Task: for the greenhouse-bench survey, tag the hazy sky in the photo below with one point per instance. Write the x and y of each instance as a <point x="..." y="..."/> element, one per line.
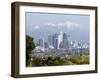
<point x="41" y="24"/>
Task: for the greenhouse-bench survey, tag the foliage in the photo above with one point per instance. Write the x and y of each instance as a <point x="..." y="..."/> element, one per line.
<point x="80" y="59"/>
<point x="56" y="60"/>
<point x="29" y="47"/>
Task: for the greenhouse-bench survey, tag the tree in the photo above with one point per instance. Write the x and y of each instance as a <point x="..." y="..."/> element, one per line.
<point x="29" y="47"/>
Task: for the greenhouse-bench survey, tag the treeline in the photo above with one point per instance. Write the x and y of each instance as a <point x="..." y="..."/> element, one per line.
<point x="56" y="61"/>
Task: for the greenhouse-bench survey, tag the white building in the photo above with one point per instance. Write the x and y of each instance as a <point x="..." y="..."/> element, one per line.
<point x="60" y="39"/>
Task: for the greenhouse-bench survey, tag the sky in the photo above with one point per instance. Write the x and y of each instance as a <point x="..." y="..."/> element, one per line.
<point x="39" y="25"/>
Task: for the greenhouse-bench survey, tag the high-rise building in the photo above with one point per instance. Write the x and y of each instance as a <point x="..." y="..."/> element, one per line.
<point x="49" y="40"/>
<point x="46" y="45"/>
<point x="60" y="39"/>
<point x="41" y="42"/>
<point x="56" y="46"/>
<point x="57" y="40"/>
<point x="54" y="41"/>
<point x="65" y="41"/>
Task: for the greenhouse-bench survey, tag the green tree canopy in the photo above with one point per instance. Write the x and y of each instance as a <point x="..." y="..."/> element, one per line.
<point x="29" y="47"/>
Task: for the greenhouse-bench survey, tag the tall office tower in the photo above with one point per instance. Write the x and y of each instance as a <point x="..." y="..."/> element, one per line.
<point x="49" y="40"/>
<point x="65" y="41"/>
<point x="41" y="42"/>
<point x="60" y="39"/>
<point x="56" y="46"/>
<point x="54" y="42"/>
<point x="46" y="45"/>
<point x="37" y="42"/>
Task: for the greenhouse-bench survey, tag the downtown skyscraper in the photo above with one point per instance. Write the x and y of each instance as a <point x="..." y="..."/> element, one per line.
<point x="58" y="40"/>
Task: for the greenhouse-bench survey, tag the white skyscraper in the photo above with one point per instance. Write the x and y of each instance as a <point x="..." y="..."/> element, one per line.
<point x="60" y="39"/>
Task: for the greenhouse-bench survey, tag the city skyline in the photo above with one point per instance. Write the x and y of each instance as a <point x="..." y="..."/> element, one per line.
<point x="59" y="44"/>
<point x="42" y="24"/>
<point x="58" y="40"/>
